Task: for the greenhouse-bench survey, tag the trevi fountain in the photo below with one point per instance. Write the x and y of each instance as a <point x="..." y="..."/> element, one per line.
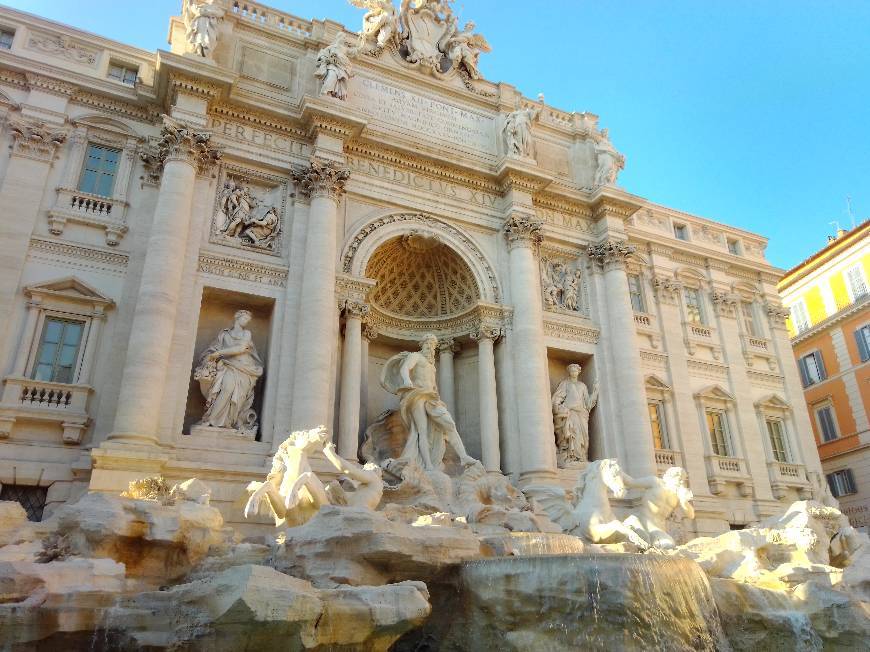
<point x="386" y="532"/>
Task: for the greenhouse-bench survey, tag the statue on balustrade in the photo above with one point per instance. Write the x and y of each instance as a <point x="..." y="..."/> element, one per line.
<point x="334" y="68"/>
<point x="227" y="372"/>
<point x="572" y="404"/>
<point x="463" y="48"/>
<point x="517" y="132"/>
<point x="411" y="376"/>
<point x="380" y="23"/>
<point x="200" y="23"/>
<point x="662" y="497"/>
<point x="608" y="161"/>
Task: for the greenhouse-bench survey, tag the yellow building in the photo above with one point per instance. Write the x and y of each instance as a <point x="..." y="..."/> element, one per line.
<point x="828" y="296"/>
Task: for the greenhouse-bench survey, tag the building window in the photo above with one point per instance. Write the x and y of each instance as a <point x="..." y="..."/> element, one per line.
<point x="123" y="73"/>
<point x="747" y="313"/>
<point x="6" y="37"/>
<point x="58" y="353"/>
<point x="776" y="432"/>
<point x="681" y="232"/>
<point x="800" y="318"/>
<point x="842" y="483"/>
<point x="635" y="291"/>
<point x="717" y="426"/>
<point x="694" y="307"/>
<point x="862" y="337"/>
<point x="734" y="247"/>
<point x="32" y="499"/>
<point x="827" y="423"/>
<point x="659" y="425"/>
<point x="856" y="283"/>
<point x="101" y="166"/>
<point x="812" y="368"/>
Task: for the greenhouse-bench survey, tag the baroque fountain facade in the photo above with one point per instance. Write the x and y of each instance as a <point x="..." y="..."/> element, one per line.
<point x="319" y="340"/>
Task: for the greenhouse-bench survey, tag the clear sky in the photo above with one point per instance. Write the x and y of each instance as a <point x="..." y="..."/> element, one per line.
<point x="755" y="113"/>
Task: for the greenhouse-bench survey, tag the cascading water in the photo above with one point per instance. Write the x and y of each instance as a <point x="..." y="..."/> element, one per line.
<point x="549" y="603"/>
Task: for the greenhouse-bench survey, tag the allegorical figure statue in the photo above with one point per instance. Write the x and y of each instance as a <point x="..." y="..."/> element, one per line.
<point x="608" y="161"/>
<point x="380" y="23"/>
<point x="334" y="68"/>
<point x="661" y="498"/>
<point x="464" y="48"/>
<point x="227" y="372"/>
<point x="572" y="404"/>
<point x="518" y="132"/>
<point x="200" y="23"/>
<point x="411" y="376"/>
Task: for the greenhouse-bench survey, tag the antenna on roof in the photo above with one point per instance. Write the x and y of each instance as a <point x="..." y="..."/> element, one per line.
<point x="849" y="209"/>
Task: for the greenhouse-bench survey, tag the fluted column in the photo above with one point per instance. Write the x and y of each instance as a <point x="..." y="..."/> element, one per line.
<point x="610" y="258"/>
<point x="323" y="182"/>
<point x="447" y="348"/>
<point x="369" y="334"/>
<point x="181" y="152"/>
<point x="534" y="415"/>
<point x="486" y="337"/>
<point x="351" y="370"/>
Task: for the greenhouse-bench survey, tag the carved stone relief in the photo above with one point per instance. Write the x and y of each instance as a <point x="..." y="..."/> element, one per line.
<point x="563" y="285"/>
<point x="249" y="211"/>
<point x="62" y="46"/>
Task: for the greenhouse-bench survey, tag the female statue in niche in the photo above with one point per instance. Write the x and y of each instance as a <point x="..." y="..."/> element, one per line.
<point x="572" y="404"/>
<point x="227" y="372"/>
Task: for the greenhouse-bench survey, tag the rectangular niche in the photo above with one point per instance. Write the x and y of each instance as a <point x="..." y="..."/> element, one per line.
<point x="249" y="210"/>
<point x="217" y="312"/>
<point x="557" y="363"/>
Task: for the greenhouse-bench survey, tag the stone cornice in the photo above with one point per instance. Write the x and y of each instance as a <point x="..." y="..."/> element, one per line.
<point x="352" y="288"/>
<point x="606" y="205"/>
<point x="321" y="179"/>
<point x="259" y="118"/>
<point x="552" y="201"/>
<point x="180" y="83"/>
<point x="50" y="85"/>
<point x="325" y="115"/>
<point x="518" y="175"/>
<point x="148" y="114"/>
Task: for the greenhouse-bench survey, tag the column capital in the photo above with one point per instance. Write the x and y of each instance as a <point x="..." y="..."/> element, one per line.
<point x="321" y="178"/>
<point x="777" y="315"/>
<point x="351" y="308"/>
<point x="724" y="303"/>
<point x="489" y="332"/>
<point x="666" y="290"/>
<point x="369" y="332"/>
<point x="611" y="254"/>
<point x="523" y="230"/>
<point x="448" y="345"/>
<point x="179" y="142"/>
<point x="34" y="139"/>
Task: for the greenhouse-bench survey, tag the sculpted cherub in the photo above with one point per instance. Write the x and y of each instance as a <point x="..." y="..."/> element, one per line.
<point x="464" y="48"/>
<point x="380" y="23"/>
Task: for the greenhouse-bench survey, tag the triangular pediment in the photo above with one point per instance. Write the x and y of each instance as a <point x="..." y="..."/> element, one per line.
<point x="772" y="402"/>
<point x="654" y="382"/>
<point x="716" y="393"/>
<point x="69" y="287"/>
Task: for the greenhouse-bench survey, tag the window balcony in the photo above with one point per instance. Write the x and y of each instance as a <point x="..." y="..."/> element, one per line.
<point x="728" y="470"/>
<point x="665" y="459"/>
<point x="785" y="475"/>
<point x="89" y="209"/>
<point x="34" y="400"/>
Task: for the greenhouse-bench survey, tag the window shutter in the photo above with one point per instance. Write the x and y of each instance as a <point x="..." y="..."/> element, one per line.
<point x="805" y="377"/>
<point x="850" y="481"/>
<point x="821" y="364"/>
<point x="862" y="337"/>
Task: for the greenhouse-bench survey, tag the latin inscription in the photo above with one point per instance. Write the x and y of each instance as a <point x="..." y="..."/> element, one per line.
<point x="258" y="137"/>
<point x="422" y="116"/>
<point x="573" y="222"/>
<point x="422" y="183"/>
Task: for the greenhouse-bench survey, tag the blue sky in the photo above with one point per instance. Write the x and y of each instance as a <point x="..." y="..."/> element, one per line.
<point x="755" y="113"/>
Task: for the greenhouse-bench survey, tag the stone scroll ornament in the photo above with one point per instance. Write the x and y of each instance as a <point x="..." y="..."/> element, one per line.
<point x="227" y="372"/>
<point x="243" y="217"/>
<point x="425" y="33"/>
<point x="200" y="24"/>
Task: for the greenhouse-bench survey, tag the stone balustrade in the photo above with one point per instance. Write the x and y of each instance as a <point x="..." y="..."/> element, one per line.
<point x="268" y="17"/>
<point x="723" y="470"/>
<point x="701" y="331"/>
<point x="91" y="210"/>
<point x="666" y="458"/>
<point x="642" y="320"/>
<point x="785" y="475"/>
<point x="36" y="400"/>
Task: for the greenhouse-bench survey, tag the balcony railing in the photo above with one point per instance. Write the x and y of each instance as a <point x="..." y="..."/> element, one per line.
<point x="268" y="17"/>
<point x="701" y="331"/>
<point x="665" y="459"/>
<point x="785" y="475"/>
<point x="722" y="470"/>
<point x="89" y="209"/>
<point x="35" y="400"/>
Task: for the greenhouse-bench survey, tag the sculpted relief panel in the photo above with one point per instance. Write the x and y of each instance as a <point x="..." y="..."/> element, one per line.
<point x="563" y="286"/>
<point x="249" y="212"/>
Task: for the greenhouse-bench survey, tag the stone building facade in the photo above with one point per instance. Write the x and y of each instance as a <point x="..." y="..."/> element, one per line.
<point x="407" y="196"/>
<point x="829" y="299"/>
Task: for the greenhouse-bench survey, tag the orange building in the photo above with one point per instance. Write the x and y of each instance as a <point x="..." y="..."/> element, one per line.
<point x="828" y="296"/>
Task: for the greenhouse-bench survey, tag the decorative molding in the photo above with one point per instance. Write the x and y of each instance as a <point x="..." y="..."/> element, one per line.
<point x="243" y="270"/>
<point x="766" y="379"/>
<point x="453" y="326"/>
<point x="321" y="179"/>
<point x="352" y="289"/>
<point x="146" y="114"/>
<point x="523" y="230"/>
<point x="50" y="85"/>
<point x="179" y="83"/>
<point x="35" y="140"/>
<point x="612" y="254"/>
<point x="62" y="46"/>
<point x="565" y="330"/>
<point x="654" y="360"/>
<point x="487" y="332"/>
<point x="55" y="248"/>
<point x="707" y="369"/>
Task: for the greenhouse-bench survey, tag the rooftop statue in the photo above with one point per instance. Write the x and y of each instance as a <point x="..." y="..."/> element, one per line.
<point x="464" y="48"/>
<point x="200" y="21"/>
<point x="381" y="22"/>
<point x="334" y="68"/>
<point x="517" y="132"/>
<point x="411" y="377"/>
<point x="608" y="161"/>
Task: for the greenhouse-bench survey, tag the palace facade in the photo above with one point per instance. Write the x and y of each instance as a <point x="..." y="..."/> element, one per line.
<point x="150" y="196"/>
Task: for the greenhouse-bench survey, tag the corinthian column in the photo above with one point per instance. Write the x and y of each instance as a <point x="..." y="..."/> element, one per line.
<point x="351" y="376"/>
<point x="535" y="417"/>
<point x="486" y="337"/>
<point x="322" y="182"/>
<point x="181" y="152"/>
<point x="447" y="348"/>
<point x="610" y="258"/>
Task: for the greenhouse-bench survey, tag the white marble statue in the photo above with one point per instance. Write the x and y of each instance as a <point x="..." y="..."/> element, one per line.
<point x="572" y="404"/>
<point x="240" y="215"/>
<point x="588" y="513"/>
<point x="334" y="68"/>
<point x="381" y="22"/>
<point x="661" y="498"/>
<point x="200" y="22"/>
<point x="227" y="372"/>
<point x="608" y="161"/>
<point x="292" y="492"/>
<point x="411" y="376"/>
<point x="463" y="48"/>
<point x="561" y="286"/>
<point x="517" y="132"/>
<point x="424" y="23"/>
